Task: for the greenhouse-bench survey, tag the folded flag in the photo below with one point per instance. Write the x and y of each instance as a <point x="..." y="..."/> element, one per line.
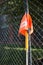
<point x="26" y="23"/>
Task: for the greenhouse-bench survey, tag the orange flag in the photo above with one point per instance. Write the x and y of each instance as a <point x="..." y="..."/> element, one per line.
<point x="25" y="24"/>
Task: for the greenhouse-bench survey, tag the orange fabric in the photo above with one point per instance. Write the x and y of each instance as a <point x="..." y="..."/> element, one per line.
<point x="25" y="24"/>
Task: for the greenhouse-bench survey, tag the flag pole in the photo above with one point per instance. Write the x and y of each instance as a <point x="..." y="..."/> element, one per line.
<point x="26" y="34"/>
<point x="28" y="40"/>
<point x="26" y="46"/>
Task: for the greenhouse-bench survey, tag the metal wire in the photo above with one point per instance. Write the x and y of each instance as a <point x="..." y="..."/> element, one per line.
<point x="12" y="48"/>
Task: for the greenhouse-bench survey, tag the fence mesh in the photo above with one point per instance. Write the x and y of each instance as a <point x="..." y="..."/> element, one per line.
<point x="11" y="46"/>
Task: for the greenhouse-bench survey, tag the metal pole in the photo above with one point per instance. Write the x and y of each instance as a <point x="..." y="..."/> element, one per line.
<point x="30" y="53"/>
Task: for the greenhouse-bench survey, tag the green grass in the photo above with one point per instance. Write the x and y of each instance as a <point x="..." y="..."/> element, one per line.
<point x="8" y="54"/>
<point x="33" y="49"/>
<point x="36" y="52"/>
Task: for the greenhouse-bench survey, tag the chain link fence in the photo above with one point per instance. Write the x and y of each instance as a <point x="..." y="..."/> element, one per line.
<point x="11" y="46"/>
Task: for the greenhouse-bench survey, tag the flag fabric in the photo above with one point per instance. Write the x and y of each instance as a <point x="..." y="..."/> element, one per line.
<point x="26" y="23"/>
